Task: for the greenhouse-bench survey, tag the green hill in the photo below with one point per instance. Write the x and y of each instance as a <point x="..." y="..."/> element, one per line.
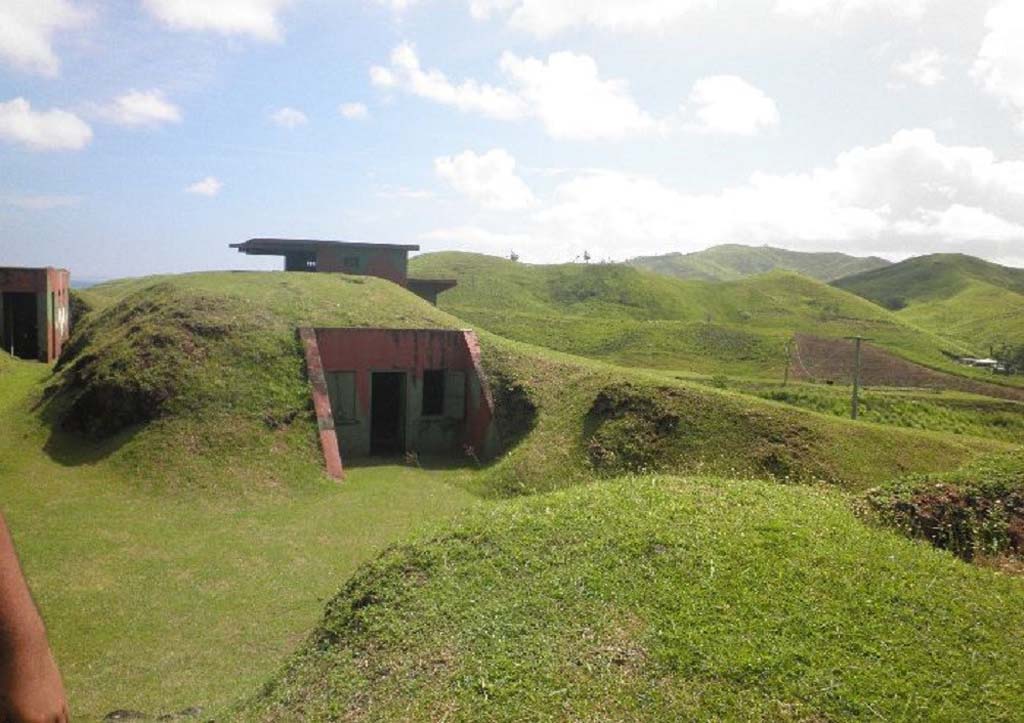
<point x="730" y="262"/>
<point x="962" y="298"/>
<point x="639" y="318"/>
<point x="188" y="379"/>
<point x="180" y="375"/>
<point x="661" y="599"/>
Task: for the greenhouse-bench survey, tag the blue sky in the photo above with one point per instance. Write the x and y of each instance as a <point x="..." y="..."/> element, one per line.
<point x="144" y="136"/>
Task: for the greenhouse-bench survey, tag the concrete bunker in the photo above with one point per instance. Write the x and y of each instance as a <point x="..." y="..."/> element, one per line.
<point x="385" y="261"/>
<point x="389" y="392"/>
<point x="34" y="314"/>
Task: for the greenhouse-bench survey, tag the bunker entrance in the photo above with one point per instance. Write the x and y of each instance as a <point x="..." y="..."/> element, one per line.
<point x="21" y="325"/>
<point x="387" y="413"/>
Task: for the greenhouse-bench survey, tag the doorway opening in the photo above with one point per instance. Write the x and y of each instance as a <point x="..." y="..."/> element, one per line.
<point x="387" y="413"/>
<point x="21" y="325"/>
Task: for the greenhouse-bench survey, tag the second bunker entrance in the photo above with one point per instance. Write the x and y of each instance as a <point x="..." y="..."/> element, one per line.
<point x="389" y="392"/>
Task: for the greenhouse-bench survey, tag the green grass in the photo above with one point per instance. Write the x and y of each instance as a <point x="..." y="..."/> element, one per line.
<point x="162" y="597"/>
<point x="624" y="315"/>
<point x="715" y="431"/>
<point x="962" y="298"/>
<point x="211" y="368"/>
<point x="730" y="262"/>
<point x="938" y="411"/>
<point x="661" y="599"/>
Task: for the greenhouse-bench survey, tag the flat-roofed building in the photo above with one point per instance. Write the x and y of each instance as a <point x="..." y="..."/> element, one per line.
<point x="386" y="261"/>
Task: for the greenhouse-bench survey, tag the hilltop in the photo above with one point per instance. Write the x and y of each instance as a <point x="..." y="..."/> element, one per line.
<point x="179" y="375"/>
<point x="730" y="262"/>
<point x="963" y="298"/>
<point x="639" y="318"/>
<point x="660" y="599"/>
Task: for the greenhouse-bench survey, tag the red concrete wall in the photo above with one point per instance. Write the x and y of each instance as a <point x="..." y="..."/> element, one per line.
<point x="322" y="404"/>
<point x="54" y="321"/>
<point x="367" y="350"/>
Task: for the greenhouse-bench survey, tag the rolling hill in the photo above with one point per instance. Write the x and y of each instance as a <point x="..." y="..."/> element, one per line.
<point x="660" y="598"/>
<point x="640" y="318"/>
<point x="961" y="298"/>
<point x="730" y="262"/>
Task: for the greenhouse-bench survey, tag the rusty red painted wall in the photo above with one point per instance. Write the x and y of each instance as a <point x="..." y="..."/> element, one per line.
<point x="364" y="351"/>
<point x="54" y="312"/>
<point x="322" y="404"/>
<point x="413" y="351"/>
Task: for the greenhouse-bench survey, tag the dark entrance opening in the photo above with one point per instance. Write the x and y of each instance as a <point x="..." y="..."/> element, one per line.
<point x="387" y="413"/>
<point x="21" y="325"/>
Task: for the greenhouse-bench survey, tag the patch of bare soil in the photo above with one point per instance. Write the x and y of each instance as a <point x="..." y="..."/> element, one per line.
<point x="816" y="359"/>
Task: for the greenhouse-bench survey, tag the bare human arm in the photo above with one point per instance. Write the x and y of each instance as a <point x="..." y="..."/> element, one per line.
<point x="31" y="690"/>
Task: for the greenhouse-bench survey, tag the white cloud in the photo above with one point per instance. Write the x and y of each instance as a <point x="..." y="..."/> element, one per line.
<point x="469" y="96"/>
<point x="573" y="102"/>
<point x="141" y="108"/>
<point x="52" y="130"/>
<point x="209" y="186"/>
<point x="254" y="18"/>
<point x="999" y="68"/>
<point x="404" y="192"/>
<point x="547" y="17"/>
<point x="730" y="105"/>
<point x="489" y="179"/>
<point x="397" y="5"/>
<point x="354" y="111"/>
<point x="27" y="28"/>
<point x="843" y="9"/>
<point x="911" y="194"/>
<point x="566" y="93"/>
<point x="41" y="203"/>
<point x="289" y="117"/>
<point x="924" y="67"/>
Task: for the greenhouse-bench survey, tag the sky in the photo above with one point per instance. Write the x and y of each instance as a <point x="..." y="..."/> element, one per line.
<point x="144" y="136"/>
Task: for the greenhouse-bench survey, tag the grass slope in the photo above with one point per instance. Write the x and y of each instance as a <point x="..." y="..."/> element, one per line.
<point x="960" y="297"/>
<point x="661" y="599"/>
<point x="597" y="420"/>
<point x="181" y="374"/>
<point x="159" y="597"/>
<point x="639" y="318"/>
<point x="731" y="262"/>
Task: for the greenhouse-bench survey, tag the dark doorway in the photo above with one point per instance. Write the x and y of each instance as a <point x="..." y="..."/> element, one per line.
<point x="387" y="413"/>
<point x="21" y="325"/>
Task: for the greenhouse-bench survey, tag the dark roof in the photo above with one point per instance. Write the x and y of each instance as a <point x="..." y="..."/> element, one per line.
<point x="278" y="246"/>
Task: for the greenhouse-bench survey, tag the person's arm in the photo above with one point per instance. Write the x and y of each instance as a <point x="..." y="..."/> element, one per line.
<point x="30" y="686"/>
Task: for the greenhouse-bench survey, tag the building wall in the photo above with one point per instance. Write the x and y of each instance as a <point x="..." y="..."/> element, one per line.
<point x="390" y="264"/>
<point x="51" y="288"/>
<point x="468" y="407"/>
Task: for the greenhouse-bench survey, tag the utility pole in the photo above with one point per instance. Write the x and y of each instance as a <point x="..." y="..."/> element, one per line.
<point x="855" y="403"/>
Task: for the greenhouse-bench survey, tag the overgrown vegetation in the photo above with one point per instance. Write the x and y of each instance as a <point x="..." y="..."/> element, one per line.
<point x="660" y="599"/>
<point x="977" y="511"/>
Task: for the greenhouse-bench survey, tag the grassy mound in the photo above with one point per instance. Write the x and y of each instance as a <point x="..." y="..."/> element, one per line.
<point x="977" y="511"/>
<point x="176" y="376"/>
<point x="592" y="419"/>
<point x="961" y="297"/>
<point x="196" y="369"/>
<point x="661" y="599"/>
<point x="729" y="262"/>
<point x="639" y="318"/>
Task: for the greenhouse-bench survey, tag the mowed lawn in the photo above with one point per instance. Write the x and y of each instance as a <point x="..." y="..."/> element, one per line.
<point x="161" y="600"/>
